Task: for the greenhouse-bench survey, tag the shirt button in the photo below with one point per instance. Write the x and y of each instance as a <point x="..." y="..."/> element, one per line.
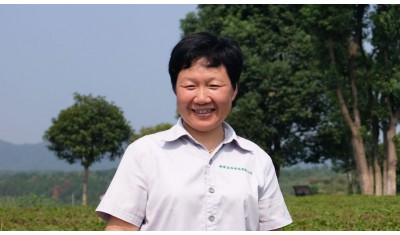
<point x="211" y="190"/>
<point x="211" y="218"/>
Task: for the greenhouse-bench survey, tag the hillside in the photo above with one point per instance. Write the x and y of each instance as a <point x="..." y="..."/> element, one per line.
<point x="36" y="157"/>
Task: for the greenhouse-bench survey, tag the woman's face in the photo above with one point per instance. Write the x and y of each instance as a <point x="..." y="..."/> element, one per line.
<point x="204" y="96"/>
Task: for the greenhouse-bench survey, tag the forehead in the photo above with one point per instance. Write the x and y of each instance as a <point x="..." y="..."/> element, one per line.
<point x="200" y="69"/>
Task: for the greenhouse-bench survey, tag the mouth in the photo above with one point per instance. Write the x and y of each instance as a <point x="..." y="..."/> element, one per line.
<point x="203" y="111"/>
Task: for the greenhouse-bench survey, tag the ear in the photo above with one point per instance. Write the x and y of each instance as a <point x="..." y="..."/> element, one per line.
<point x="235" y="93"/>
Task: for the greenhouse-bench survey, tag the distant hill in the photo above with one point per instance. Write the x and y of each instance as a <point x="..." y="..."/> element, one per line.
<point x="36" y="157"/>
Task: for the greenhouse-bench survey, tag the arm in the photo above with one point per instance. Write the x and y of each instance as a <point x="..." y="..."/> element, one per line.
<point x="115" y="224"/>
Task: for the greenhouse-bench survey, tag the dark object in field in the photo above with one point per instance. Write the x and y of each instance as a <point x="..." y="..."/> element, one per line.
<point x="302" y="190"/>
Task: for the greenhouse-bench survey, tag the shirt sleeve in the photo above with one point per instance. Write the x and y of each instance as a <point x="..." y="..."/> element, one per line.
<point x="272" y="208"/>
<point x="126" y="195"/>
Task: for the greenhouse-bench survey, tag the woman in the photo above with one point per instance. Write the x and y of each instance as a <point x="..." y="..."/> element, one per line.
<point x="198" y="175"/>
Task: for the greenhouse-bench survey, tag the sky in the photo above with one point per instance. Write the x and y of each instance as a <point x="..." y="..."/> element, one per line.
<point x="120" y="52"/>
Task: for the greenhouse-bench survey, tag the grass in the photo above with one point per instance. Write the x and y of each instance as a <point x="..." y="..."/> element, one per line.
<point x="344" y="213"/>
<point x="39" y="213"/>
<point x="60" y="218"/>
<point x="309" y="213"/>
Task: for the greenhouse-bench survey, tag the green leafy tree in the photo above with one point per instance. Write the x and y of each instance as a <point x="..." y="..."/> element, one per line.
<point x="150" y="130"/>
<point x="338" y="32"/>
<point x="280" y="99"/>
<point x="88" y="131"/>
<point x="386" y="31"/>
<point x="310" y="90"/>
<point x="365" y="84"/>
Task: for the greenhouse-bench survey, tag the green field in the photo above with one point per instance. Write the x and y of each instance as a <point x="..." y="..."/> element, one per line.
<point x="315" y="213"/>
<point x="331" y="208"/>
<point x="344" y="213"/>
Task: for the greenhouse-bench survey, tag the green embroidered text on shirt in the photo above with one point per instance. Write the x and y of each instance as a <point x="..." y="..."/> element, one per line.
<point x="235" y="168"/>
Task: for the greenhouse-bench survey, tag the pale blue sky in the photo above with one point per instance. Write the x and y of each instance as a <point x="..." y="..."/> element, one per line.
<point x="48" y="52"/>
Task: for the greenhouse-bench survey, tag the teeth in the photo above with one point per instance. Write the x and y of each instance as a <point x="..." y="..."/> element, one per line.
<point x="205" y="111"/>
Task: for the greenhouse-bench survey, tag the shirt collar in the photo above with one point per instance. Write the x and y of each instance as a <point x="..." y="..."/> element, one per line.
<point x="178" y="131"/>
<point x="175" y="132"/>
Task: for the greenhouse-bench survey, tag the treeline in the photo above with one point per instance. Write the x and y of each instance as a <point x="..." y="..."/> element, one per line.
<point x="65" y="187"/>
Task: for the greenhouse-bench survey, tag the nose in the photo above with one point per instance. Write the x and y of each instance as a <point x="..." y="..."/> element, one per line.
<point x="202" y="96"/>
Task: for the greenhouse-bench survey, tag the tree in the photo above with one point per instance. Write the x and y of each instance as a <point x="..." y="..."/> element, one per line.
<point x="338" y="35"/>
<point x="279" y="94"/>
<point x="306" y="66"/>
<point x="366" y="84"/>
<point x="397" y="143"/>
<point x="150" y="130"/>
<point x="386" y="31"/>
<point x="88" y="131"/>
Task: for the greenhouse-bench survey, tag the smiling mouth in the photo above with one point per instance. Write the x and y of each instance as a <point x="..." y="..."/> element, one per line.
<point x="203" y="111"/>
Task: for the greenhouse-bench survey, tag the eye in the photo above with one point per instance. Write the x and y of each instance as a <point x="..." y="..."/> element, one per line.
<point x="190" y="87"/>
<point x="214" y="86"/>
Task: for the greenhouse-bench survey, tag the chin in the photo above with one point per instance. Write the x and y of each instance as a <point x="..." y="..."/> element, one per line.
<point x="204" y="127"/>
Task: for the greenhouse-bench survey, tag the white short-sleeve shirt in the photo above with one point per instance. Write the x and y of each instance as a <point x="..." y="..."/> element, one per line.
<point x="168" y="181"/>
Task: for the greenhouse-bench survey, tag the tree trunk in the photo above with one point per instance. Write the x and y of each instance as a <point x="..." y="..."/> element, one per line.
<point x="390" y="185"/>
<point x="378" y="177"/>
<point x="352" y="181"/>
<point x="385" y="130"/>
<point x="364" y="173"/>
<point x="375" y="156"/>
<point x="363" y="170"/>
<point x="85" y="186"/>
<point x="391" y="163"/>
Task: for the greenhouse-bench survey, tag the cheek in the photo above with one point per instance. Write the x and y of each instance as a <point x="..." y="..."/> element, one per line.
<point x="182" y="99"/>
<point x="226" y="100"/>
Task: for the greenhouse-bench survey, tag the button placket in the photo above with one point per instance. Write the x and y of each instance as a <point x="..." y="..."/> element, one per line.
<point x="211" y="206"/>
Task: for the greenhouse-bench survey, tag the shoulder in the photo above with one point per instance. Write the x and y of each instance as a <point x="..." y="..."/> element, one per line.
<point x="150" y="140"/>
<point x="145" y="149"/>
<point x="249" y="145"/>
<point x="254" y="150"/>
<point x="243" y="143"/>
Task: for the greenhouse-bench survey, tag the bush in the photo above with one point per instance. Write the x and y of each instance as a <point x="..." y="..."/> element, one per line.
<point x="344" y="213"/>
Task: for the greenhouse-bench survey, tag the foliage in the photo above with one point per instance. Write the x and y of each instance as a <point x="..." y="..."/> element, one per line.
<point x="88" y="131"/>
<point x="65" y="187"/>
<point x="309" y="213"/>
<point x="310" y="90"/>
<point x="33" y="200"/>
<point x="279" y="95"/>
<point x="50" y="218"/>
<point x="344" y="213"/>
<point x="59" y="187"/>
<point x="365" y="82"/>
<point x="150" y="130"/>
<point x="387" y="43"/>
<point x="329" y="210"/>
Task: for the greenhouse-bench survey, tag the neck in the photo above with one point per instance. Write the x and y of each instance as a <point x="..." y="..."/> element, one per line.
<point x="209" y="139"/>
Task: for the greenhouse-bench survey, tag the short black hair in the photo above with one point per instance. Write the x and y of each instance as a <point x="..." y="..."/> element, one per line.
<point x="216" y="50"/>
